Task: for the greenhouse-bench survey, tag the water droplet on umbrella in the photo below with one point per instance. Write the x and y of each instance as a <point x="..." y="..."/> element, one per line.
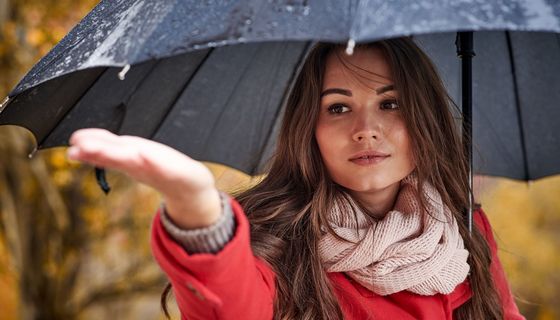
<point x="350" y="47"/>
<point x="123" y="72"/>
<point x="289" y="8"/>
<point x="248" y="21"/>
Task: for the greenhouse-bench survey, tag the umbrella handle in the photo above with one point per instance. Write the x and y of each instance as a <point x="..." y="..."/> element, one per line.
<point x="101" y="180"/>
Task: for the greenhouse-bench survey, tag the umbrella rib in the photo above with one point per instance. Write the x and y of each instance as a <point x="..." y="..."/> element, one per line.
<point x="517" y="105"/>
<point x="180" y="92"/>
<point x="126" y="100"/>
<point x="282" y="103"/>
<point x="223" y="110"/>
<point x="71" y="108"/>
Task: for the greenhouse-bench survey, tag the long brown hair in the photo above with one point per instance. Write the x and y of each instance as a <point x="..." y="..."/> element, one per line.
<point x="287" y="208"/>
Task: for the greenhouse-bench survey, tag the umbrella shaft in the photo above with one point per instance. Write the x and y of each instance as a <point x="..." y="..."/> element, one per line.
<point x="465" y="51"/>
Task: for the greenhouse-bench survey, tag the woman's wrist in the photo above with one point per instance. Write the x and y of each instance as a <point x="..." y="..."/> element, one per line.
<point x="194" y="211"/>
<point x="209" y="239"/>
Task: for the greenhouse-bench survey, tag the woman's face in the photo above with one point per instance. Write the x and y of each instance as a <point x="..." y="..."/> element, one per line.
<point x="361" y="133"/>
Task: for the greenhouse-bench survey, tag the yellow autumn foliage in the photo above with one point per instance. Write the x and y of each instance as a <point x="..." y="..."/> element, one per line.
<point x="526" y="218"/>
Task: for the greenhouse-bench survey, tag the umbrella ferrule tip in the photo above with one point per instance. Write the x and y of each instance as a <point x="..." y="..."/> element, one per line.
<point x="4" y="104"/>
<point x="32" y="153"/>
<point x="350" y="46"/>
<point x="122" y="73"/>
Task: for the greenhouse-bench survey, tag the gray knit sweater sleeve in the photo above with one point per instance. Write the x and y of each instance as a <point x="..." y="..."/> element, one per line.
<point x="210" y="239"/>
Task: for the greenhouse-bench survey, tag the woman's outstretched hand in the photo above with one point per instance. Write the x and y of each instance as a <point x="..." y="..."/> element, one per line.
<point x="188" y="187"/>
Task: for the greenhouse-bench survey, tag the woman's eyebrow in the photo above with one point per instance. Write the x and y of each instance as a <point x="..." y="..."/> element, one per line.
<point x="336" y="90"/>
<point x="347" y="92"/>
<point x="385" y="89"/>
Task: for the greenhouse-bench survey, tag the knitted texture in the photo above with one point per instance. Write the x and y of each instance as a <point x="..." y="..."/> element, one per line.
<point x="210" y="239"/>
<point x="406" y="250"/>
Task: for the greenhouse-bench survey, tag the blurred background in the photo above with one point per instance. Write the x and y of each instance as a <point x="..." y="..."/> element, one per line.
<point x="68" y="251"/>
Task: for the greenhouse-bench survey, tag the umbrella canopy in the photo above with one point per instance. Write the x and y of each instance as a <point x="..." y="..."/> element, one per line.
<point x="221" y="103"/>
<point x="126" y="32"/>
<point x="516" y="100"/>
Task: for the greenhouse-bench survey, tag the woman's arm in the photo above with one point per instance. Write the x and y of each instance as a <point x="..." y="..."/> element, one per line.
<point x="229" y="284"/>
<point x="510" y="308"/>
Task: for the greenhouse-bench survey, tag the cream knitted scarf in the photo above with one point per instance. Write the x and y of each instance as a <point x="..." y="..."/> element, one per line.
<point x="405" y="250"/>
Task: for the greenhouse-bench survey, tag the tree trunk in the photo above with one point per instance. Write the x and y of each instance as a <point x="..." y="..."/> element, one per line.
<point x="4" y="11"/>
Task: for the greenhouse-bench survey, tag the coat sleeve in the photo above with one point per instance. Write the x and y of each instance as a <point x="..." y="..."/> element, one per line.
<point x="510" y="308"/>
<point x="225" y="285"/>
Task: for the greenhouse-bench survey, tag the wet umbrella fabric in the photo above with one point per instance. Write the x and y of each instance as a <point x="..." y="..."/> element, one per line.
<point x="219" y="105"/>
<point x="127" y="32"/>
<point x="225" y="101"/>
<point x="516" y="99"/>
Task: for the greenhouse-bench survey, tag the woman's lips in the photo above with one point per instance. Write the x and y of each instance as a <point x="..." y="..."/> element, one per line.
<point x="368" y="160"/>
<point x="368" y="157"/>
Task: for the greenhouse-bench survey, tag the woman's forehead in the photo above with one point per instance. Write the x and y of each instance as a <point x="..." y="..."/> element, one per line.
<point x="367" y="66"/>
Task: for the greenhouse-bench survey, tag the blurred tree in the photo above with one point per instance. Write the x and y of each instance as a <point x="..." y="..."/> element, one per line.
<point x="526" y="220"/>
<point x="71" y="248"/>
<point x="68" y="249"/>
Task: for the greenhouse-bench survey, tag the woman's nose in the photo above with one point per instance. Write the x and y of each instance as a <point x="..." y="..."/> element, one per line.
<point x="366" y="127"/>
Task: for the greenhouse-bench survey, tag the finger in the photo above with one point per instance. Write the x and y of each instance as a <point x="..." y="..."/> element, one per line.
<point x="95" y="134"/>
<point x="167" y="163"/>
<point x="110" y="154"/>
<point x="155" y="153"/>
<point x="91" y="133"/>
<point x="101" y="147"/>
<point x="89" y="140"/>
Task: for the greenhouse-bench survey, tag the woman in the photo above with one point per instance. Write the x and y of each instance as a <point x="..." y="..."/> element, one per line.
<point x="358" y="217"/>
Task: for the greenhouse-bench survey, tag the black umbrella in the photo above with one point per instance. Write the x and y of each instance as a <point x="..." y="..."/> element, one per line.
<point x="149" y="68"/>
<point x="516" y="85"/>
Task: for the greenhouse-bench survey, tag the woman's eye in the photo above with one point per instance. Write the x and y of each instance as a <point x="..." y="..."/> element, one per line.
<point x="389" y="104"/>
<point x="338" y="108"/>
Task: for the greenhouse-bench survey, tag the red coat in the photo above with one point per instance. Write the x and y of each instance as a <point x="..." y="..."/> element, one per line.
<point x="234" y="284"/>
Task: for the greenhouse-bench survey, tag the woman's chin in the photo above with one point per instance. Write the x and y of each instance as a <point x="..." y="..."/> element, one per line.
<point x="369" y="185"/>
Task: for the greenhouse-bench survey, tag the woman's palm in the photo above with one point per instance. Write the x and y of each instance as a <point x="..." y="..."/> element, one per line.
<point x="186" y="184"/>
